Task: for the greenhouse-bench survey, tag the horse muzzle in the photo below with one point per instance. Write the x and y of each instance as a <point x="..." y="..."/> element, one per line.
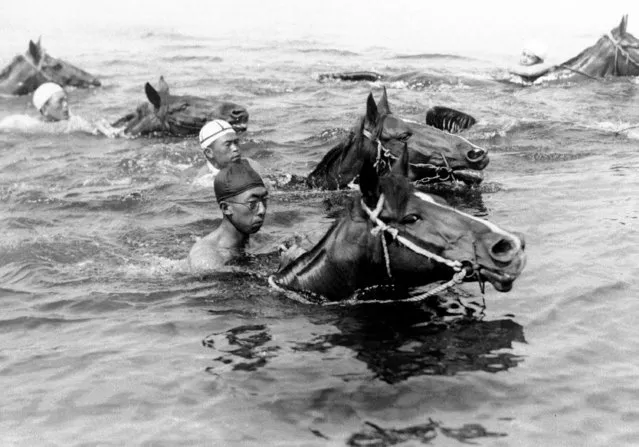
<point x="509" y="260"/>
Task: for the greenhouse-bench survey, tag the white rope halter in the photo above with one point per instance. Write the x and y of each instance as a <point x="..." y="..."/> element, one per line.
<point x="619" y="49"/>
<point x="380" y="228"/>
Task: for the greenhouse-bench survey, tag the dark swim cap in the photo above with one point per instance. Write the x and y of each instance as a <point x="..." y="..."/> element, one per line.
<point x="234" y="179"/>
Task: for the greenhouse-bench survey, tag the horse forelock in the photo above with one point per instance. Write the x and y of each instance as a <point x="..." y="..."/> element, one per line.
<point x="397" y="190"/>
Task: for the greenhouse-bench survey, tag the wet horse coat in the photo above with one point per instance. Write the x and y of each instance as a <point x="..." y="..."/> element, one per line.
<point x="395" y="239"/>
<point x="616" y="53"/>
<point x="380" y="137"/>
<point x="27" y="72"/>
<point x="167" y="114"/>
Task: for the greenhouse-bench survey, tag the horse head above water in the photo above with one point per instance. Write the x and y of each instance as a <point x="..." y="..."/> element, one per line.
<point x="27" y="72"/>
<point x="400" y="238"/>
<point x="380" y="138"/>
<point x="616" y="53"/>
<point x="179" y="115"/>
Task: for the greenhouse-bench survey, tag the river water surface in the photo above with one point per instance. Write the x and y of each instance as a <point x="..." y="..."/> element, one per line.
<point x="107" y="340"/>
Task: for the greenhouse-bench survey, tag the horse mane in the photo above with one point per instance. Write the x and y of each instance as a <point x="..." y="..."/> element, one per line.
<point x="335" y="155"/>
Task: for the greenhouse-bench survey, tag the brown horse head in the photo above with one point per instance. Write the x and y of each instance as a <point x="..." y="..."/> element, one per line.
<point x="27" y="72"/>
<point x="614" y="54"/>
<point x="380" y="137"/>
<point x="430" y="147"/>
<point x="166" y="114"/>
<point x="398" y="237"/>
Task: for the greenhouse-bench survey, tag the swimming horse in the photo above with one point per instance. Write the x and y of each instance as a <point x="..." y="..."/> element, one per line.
<point x="616" y="53"/>
<point x="174" y="115"/>
<point x="393" y="239"/>
<point x="379" y="136"/>
<point x="28" y="71"/>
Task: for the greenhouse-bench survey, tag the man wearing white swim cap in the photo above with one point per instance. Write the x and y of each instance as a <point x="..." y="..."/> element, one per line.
<point x="220" y="144"/>
<point x="51" y="101"/>
<point x="532" y="63"/>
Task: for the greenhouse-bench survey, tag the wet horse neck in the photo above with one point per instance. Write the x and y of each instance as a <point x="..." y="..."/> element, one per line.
<point x="339" y="265"/>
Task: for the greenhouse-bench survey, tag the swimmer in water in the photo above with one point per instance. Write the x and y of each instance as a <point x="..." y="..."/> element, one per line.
<point x="51" y="101"/>
<point x="220" y="146"/>
<point x="242" y="197"/>
<point x="532" y="63"/>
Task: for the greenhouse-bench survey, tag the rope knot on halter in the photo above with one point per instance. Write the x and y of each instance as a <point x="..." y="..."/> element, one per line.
<point x="383" y="154"/>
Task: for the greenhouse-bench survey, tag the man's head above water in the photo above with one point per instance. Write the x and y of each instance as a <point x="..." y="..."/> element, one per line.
<point x="533" y="53"/>
<point x="242" y="196"/>
<point x="220" y="143"/>
<point x="51" y="101"/>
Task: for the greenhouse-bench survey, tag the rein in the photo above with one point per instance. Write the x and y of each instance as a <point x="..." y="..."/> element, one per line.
<point x="384" y="155"/>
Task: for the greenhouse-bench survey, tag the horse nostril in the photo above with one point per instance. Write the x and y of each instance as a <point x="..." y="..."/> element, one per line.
<point x="475" y="154"/>
<point x="503" y="250"/>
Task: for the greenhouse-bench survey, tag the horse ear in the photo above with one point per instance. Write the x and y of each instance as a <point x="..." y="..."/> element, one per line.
<point x="401" y="165"/>
<point x="382" y="105"/>
<point x="369" y="183"/>
<point x="372" y="114"/>
<point x="164" y="87"/>
<point x="34" y="51"/>
<point x="153" y="95"/>
<point x="623" y="25"/>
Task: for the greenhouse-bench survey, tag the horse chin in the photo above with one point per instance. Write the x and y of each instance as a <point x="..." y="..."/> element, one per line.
<point x="469" y="176"/>
<point x="239" y="127"/>
<point x="502" y="282"/>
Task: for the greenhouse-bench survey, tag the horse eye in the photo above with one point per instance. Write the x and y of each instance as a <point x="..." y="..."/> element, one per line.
<point x="57" y="66"/>
<point x="410" y="219"/>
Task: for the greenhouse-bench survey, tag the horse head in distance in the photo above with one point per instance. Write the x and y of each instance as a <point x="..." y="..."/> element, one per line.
<point x="380" y="137"/>
<point x="398" y="238"/>
<point x="28" y="71"/>
<point x="616" y="53"/>
<point x="167" y="114"/>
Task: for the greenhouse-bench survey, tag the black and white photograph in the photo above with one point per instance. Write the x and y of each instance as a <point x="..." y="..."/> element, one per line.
<point x="336" y="223"/>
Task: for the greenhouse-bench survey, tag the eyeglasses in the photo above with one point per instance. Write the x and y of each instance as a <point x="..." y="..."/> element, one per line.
<point x="253" y="205"/>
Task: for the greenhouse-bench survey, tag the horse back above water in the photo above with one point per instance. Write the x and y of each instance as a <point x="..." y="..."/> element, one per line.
<point x="394" y="238"/>
<point x="380" y="137"/>
<point x="174" y="115"/>
<point x="28" y="71"/>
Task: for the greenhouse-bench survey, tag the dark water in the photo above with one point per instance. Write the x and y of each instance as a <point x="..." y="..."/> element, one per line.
<point x="106" y="338"/>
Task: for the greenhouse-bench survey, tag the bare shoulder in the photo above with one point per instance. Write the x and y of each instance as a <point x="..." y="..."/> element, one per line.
<point x="206" y="256"/>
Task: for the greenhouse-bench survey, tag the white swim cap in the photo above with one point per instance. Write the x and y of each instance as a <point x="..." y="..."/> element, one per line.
<point x="213" y="130"/>
<point x="44" y="93"/>
<point x="536" y="48"/>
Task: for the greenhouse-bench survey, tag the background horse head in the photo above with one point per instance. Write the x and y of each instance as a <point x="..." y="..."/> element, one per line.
<point x="615" y="54"/>
<point x="27" y="72"/>
<point x="401" y="238"/>
<point x="179" y="115"/>
<point x="380" y="137"/>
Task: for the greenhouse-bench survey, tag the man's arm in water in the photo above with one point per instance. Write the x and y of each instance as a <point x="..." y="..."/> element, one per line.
<point x="531" y="71"/>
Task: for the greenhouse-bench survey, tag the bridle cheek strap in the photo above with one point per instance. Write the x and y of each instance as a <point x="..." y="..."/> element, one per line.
<point x="381" y="227"/>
